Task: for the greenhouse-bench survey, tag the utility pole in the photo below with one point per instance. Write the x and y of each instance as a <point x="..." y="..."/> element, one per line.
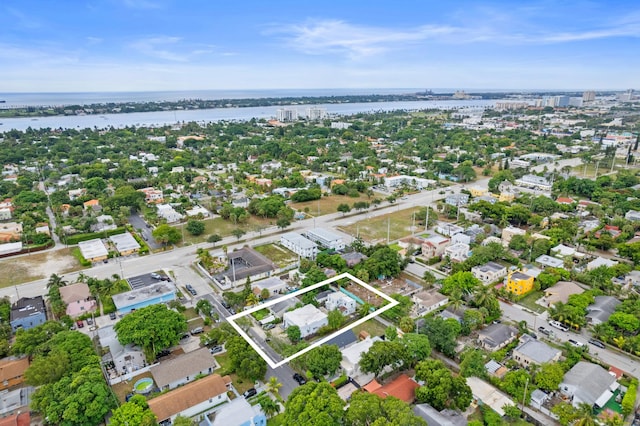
<point x="426" y="222"/>
<point x="388" y="228"/>
<point x="525" y="394"/>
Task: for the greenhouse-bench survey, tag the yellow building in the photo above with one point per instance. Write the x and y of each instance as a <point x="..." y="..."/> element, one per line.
<point x="519" y="283"/>
<point x="507" y="197"/>
<point x="477" y="191"/>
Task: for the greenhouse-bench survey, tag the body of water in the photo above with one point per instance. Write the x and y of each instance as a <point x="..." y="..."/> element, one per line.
<point x="160" y="118"/>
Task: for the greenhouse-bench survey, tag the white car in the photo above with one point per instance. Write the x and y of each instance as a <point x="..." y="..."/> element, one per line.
<point x="558" y="325"/>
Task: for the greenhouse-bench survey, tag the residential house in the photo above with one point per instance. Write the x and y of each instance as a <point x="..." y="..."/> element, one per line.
<point x="160" y="292"/>
<point x="166" y="212"/>
<point x="92" y="205"/>
<point x="428" y="301"/>
<point x="78" y="299"/>
<point x="434" y="246"/>
<point x="343" y="340"/>
<point x="12" y="372"/>
<point x="27" y="313"/>
<point x="76" y="193"/>
<point x="497" y="336"/>
<point x="588" y="383"/>
<point x="125" y="358"/>
<point x="152" y="195"/>
<point x="531" y="351"/>
<point x="93" y="250"/>
<point x="5" y="213"/>
<point x="565" y="200"/>
<point x="326" y="238"/>
<point x="340" y="301"/>
<point x="299" y="245"/>
<point x="461" y="238"/>
<point x="509" y="232"/>
<point x="434" y="417"/>
<point x="457" y="200"/>
<point x="477" y="191"/>
<point x="308" y="318"/>
<point x="486" y="394"/>
<point x="104" y="223"/>
<point x="601" y="309"/>
<point x="600" y="261"/>
<point x="561" y="292"/>
<point x="11" y="231"/>
<point x="549" y="262"/>
<point x="125" y="244"/>
<point x="198" y="211"/>
<point x="351" y="356"/>
<point x="519" y="283"/>
<point x="448" y="229"/>
<point x="193" y="399"/>
<point x="632" y="215"/>
<point x="273" y="284"/>
<point x="237" y="412"/>
<point x="402" y="388"/>
<point x="353" y="258"/>
<point x="17" y="419"/>
<point x="534" y="182"/>
<point x="183" y="369"/>
<point x="458" y="252"/>
<point x="490" y="272"/>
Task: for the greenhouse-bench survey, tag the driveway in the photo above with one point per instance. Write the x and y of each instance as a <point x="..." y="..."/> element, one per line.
<point x="139" y="223"/>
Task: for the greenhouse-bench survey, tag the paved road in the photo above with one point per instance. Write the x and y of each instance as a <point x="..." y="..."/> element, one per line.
<point x="558" y="165"/>
<point x="624" y="362"/>
<point x="145" y="229"/>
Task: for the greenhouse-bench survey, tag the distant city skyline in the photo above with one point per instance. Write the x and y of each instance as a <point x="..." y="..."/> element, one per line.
<point x="160" y="45"/>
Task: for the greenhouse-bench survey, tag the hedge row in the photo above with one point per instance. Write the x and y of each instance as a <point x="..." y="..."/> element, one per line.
<point x="78" y="238"/>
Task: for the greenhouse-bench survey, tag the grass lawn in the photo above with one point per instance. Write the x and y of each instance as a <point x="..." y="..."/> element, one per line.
<point x="375" y="229"/>
<point x="328" y="204"/>
<point x="373" y="327"/>
<point x="190" y="313"/>
<point x="241" y="385"/>
<point x="529" y="301"/>
<point x="276" y="420"/>
<point x="224" y="228"/>
<point x="22" y="269"/>
<point x="259" y="315"/>
<point x="277" y="254"/>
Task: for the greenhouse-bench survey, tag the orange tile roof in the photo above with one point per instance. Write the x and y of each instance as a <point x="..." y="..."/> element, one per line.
<point x="179" y="399"/>
<point x="21" y="419"/>
<point x="403" y="388"/>
<point x="372" y="386"/>
<point x="12" y="368"/>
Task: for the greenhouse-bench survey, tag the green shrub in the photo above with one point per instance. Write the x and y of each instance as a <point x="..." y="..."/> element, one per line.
<point x="629" y="399"/>
<point x="78" y="238"/>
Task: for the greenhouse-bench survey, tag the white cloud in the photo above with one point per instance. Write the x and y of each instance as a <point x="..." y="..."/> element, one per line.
<point x="158" y="48"/>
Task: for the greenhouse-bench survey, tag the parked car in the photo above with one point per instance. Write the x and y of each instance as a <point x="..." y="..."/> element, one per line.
<point x="225" y="304"/>
<point x="269" y="326"/>
<point x="90" y="321"/>
<point x="597" y="343"/>
<point x="298" y="378"/>
<point x="197" y="330"/>
<point x="80" y="323"/>
<point x="558" y="325"/>
<point x="155" y="276"/>
<point x="215" y="349"/>
<point x="545" y="331"/>
<point x="191" y="290"/>
<point x="575" y="343"/>
<point x="112" y="315"/>
<point x="250" y="392"/>
<point x="164" y="352"/>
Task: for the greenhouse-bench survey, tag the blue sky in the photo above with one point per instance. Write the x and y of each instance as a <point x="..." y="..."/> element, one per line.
<point x="140" y="45"/>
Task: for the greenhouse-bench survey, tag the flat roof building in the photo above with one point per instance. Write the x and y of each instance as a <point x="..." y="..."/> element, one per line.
<point x="326" y="238"/>
<point x="125" y="243"/>
<point x="150" y="295"/>
<point x="299" y="245"/>
<point x="308" y="318"/>
<point x="93" y="250"/>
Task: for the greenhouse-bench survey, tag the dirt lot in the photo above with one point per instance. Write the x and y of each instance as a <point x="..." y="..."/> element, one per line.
<point x="25" y="268"/>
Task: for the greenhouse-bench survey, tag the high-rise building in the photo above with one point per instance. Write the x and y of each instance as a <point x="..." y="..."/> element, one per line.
<point x="315" y="113"/>
<point x="589" y="96"/>
<point x="286" y="115"/>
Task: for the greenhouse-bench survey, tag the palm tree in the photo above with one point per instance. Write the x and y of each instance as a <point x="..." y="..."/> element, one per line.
<point x="273" y="385"/>
<point x="585" y="415"/>
<point x="269" y="406"/>
<point x="455" y="299"/>
<point x="55" y="281"/>
<point x="252" y="299"/>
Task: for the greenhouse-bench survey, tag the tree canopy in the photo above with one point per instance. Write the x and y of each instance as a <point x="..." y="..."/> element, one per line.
<point x="323" y="360"/>
<point x="442" y="389"/>
<point x="369" y="409"/>
<point x="154" y="328"/>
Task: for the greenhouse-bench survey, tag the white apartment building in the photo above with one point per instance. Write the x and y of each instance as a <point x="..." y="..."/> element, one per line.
<point x="490" y="272"/>
<point x="286" y="115"/>
<point x="299" y="245"/>
<point x="326" y="238"/>
<point x="341" y="301"/>
<point x="308" y="318"/>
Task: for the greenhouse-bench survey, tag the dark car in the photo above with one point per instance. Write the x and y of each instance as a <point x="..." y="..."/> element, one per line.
<point x="597" y="343"/>
<point x="225" y="304"/>
<point x="298" y="378"/>
<point x="164" y="352"/>
<point x="250" y="392"/>
<point x="215" y="349"/>
<point x="112" y="315"/>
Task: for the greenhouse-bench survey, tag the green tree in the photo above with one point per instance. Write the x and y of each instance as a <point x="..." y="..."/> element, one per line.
<point x="154" y="328"/>
<point x="549" y="376"/>
<point x="629" y="399"/>
<point x="515" y="382"/>
<point x="369" y="409"/>
<point x="182" y="421"/>
<point x="195" y="227"/>
<point x="472" y="364"/>
<point x="273" y="385"/>
<point x="294" y="334"/>
<point x="418" y="347"/>
<point x="390" y="333"/>
<point x="31" y="341"/>
<point x="407" y="325"/>
<point x="465" y="281"/>
<point x="442" y="333"/>
<point x="134" y="412"/>
<point x="238" y="233"/>
<point x="344" y="208"/>
<point x="335" y="319"/>
<point x="511" y="411"/>
<point x="314" y="404"/>
<point x="441" y="389"/>
<point x="244" y="360"/>
<point x="213" y="239"/>
<point x="166" y="234"/>
<point x="323" y="360"/>
<point x="385" y="353"/>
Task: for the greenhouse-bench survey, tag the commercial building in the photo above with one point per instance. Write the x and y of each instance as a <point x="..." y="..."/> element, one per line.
<point x="285" y="115"/>
<point x="244" y="263"/>
<point x="299" y="245"/>
<point x="93" y="250"/>
<point x="153" y="294"/>
<point x="534" y="182"/>
<point x="326" y="238"/>
<point x="125" y="244"/>
<point x="308" y="318"/>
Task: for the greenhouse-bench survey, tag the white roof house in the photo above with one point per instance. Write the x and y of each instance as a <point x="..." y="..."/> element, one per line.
<point x="588" y="383"/>
<point x="600" y="261"/>
<point x="326" y="238"/>
<point x="167" y="212"/>
<point x="93" y="250"/>
<point x="195" y="211"/>
<point x="299" y="245"/>
<point x="351" y="358"/>
<point x="341" y="301"/>
<point x="308" y="318"/>
<point x="548" y="261"/>
<point x="125" y="243"/>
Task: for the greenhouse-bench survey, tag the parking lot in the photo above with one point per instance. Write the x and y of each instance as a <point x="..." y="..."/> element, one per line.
<point x="145" y="280"/>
